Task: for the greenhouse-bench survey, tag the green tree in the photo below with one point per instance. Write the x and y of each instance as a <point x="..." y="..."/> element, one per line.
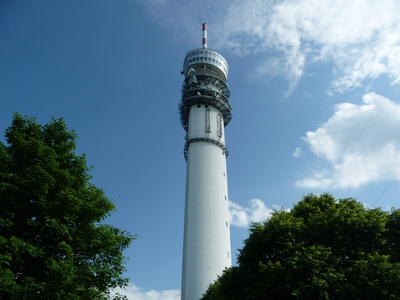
<point x="321" y="249"/>
<point x="53" y="244"/>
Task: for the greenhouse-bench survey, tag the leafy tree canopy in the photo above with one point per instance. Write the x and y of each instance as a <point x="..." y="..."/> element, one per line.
<point x="321" y="249"/>
<point x="52" y="242"/>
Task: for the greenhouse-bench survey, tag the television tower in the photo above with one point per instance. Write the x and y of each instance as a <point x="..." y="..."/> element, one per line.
<point x="204" y="112"/>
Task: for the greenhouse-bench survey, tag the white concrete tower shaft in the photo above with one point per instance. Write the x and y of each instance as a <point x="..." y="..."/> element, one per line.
<point x="204" y="112"/>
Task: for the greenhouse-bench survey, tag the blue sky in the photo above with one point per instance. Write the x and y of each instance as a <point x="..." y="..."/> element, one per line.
<point x="315" y="98"/>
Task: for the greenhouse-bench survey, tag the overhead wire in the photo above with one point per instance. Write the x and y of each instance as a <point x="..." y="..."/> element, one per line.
<point x="358" y="139"/>
<point x="388" y="186"/>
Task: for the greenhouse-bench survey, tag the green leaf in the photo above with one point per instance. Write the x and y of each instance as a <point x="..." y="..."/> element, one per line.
<point x="52" y="245"/>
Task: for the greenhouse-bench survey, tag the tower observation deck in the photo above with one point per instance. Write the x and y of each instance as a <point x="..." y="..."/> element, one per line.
<point x="204" y="112"/>
<point x="206" y="72"/>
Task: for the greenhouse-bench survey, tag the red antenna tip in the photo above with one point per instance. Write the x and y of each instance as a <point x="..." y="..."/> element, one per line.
<point x="204" y="35"/>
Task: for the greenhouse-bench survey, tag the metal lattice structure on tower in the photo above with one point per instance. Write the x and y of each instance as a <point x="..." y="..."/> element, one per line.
<point x="204" y="113"/>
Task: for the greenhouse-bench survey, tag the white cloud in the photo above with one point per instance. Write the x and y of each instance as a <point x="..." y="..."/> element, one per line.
<point x="376" y="155"/>
<point x="184" y="17"/>
<point x="298" y="152"/>
<point x="134" y="292"/>
<point x="360" y="37"/>
<point x="243" y="216"/>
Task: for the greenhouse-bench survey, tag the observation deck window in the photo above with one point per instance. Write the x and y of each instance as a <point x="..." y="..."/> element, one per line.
<point x="206" y="56"/>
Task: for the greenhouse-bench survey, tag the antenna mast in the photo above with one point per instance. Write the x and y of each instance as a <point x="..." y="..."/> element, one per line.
<point x="204" y="35"/>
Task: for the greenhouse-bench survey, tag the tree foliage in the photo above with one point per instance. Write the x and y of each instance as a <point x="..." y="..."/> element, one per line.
<point x="321" y="249"/>
<point x="53" y="244"/>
